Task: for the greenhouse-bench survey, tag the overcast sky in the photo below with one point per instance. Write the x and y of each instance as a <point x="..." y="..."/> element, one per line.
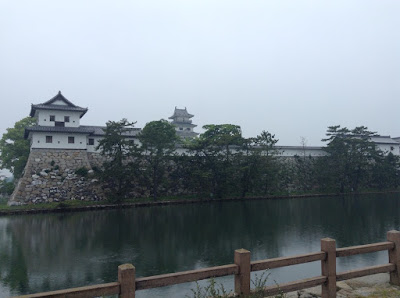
<point x="292" y="68"/>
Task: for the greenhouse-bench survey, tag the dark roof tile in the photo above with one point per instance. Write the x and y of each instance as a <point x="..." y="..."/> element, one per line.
<point x="48" y="105"/>
<point x="57" y="129"/>
<point x="181" y="113"/>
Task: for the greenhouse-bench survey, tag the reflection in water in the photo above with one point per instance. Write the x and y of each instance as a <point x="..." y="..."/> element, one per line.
<point x="55" y="251"/>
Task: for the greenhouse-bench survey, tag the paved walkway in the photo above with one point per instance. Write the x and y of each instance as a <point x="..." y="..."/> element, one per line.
<point x="373" y="286"/>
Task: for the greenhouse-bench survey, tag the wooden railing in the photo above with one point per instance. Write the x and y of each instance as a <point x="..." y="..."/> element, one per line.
<point x="127" y="284"/>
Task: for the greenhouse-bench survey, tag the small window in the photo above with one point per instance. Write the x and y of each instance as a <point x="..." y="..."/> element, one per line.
<point x="71" y="140"/>
<point x="52" y="118"/>
<point x="180" y="128"/>
<point x="91" y="141"/>
<point x="188" y="129"/>
<point x="49" y="139"/>
<point x="66" y="118"/>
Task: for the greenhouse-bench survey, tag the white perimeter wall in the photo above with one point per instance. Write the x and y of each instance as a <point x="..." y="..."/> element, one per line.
<point x="300" y="152"/>
<point x="60" y="141"/>
<point x="91" y="148"/>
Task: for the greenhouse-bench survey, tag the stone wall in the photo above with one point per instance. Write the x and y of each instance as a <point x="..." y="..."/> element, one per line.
<point x="50" y="176"/>
<point x="95" y="159"/>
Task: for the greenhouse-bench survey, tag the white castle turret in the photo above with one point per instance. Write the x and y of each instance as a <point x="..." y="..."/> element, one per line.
<point x="183" y="124"/>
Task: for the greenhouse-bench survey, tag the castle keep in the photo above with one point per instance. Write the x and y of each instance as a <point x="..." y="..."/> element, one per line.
<point x="60" y="146"/>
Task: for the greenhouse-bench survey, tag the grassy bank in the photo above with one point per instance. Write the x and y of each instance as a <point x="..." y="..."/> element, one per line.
<point x="77" y="205"/>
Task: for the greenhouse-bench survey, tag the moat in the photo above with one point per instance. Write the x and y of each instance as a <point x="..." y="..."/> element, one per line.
<point x="55" y="251"/>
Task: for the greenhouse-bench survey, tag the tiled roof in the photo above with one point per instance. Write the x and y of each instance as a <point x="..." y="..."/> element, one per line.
<point x="181" y="113"/>
<point x="61" y="97"/>
<point x="48" y="105"/>
<point x="99" y="131"/>
<point x="83" y="129"/>
<point x="57" y="129"/>
<point x="183" y="124"/>
<point x="384" y="140"/>
<point x="186" y="134"/>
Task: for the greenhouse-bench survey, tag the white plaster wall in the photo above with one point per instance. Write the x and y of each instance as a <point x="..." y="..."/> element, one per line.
<point x="59" y="102"/>
<point x="290" y="152"/>
<point x="388" y="148"/>
<point x="91" y="148"/>
<point x="43" y="117"/>
<point x="60" y="141"/>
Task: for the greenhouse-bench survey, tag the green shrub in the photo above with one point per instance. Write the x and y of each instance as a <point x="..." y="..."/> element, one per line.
<point x="62" y="205"/>
<point x="83" y="172"/>
<point x="214" y="290"/>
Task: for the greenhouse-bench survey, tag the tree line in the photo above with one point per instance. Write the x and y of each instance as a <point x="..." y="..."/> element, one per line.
<point x="221" y="162"/>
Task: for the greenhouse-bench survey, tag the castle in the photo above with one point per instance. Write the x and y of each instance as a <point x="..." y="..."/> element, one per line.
<point x="58" y="127"/>
<point x="59" y="146"/>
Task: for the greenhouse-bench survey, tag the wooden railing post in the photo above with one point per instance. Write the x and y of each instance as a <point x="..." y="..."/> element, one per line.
<point x="328" y="267"/>
<point x="126" y="278"/>
<point x="394" y="256"/>
<point x="242" y="279"/>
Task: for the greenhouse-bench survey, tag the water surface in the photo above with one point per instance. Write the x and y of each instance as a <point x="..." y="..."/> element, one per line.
<point x="56" y="251"/>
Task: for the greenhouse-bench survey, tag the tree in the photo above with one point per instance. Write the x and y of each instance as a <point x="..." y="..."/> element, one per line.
<point x="351" y="154"/>
<point x="215" y="152"/>
<point x="14" y="148"/>
<point x="304" y="168"/>
<point x="6" y="186"/>
<point x="268" y="167"/>
<point x="121" y="158"/>
<point x="158" y="139"/>
<point x="257" y="164"/>
<point x="385" y="172"/>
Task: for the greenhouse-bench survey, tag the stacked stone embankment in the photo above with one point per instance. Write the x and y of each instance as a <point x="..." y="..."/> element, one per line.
<point x="56" y="175"/>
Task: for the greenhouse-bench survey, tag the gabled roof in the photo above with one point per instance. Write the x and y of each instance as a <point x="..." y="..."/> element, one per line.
<point x="181" y="113"/>
<point x="50" y="105"/>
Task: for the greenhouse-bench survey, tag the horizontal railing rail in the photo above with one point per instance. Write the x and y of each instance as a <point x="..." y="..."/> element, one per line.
<point x="294" y="285"/>
<point x="185" y="276"/>
<point x="363" y="249"/>
<point x="287" y="261"/>
<point x="112" y="288"/>
<point x="365" y="271"/>
<point x="127" y="284"/>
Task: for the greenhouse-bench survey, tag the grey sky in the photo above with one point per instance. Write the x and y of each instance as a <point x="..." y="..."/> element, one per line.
<point x="290" y="67"/>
